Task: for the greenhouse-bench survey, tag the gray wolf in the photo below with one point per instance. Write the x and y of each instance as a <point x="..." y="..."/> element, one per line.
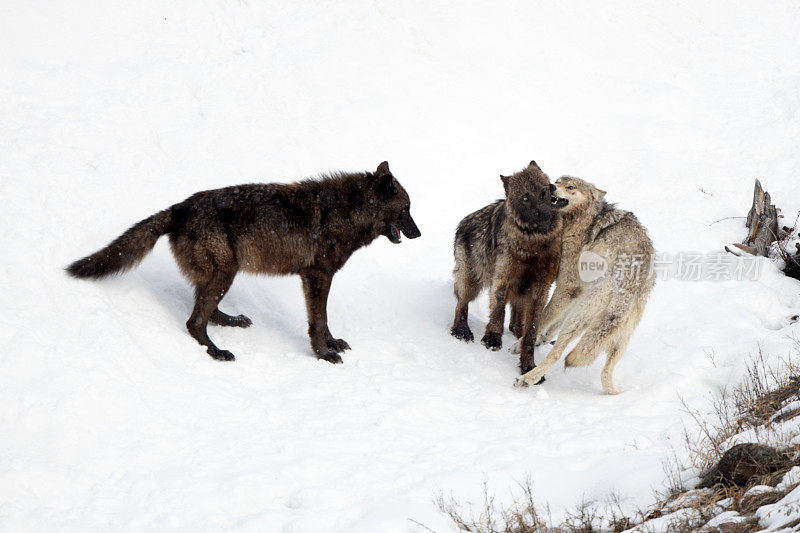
<point x="309" y="228"/>
<point x="511" y="246"/>
<point x="604" y="308"/>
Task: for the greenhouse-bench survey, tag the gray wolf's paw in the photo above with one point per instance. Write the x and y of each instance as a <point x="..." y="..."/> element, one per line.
<point x="516" y="347"/>
<point x="338" y="345"/>
<point x="221" y="355"/>
<point x="493" y="341"/>
<point x="462" y="332"/>
<point x="331" y="357"/>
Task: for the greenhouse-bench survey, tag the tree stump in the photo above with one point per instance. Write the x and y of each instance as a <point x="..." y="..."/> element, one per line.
<point x="762" y="221"/>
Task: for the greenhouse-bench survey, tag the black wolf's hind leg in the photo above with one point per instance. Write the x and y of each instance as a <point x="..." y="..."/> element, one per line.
<point x="207" y="296"/>
<point x="221" y="319"/>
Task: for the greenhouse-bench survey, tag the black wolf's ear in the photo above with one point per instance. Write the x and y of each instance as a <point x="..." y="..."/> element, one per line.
<point x="505" y="182"/>
<point x="383" y="169"/>
<point x="533" y="164"/>
<point x="385" y="182"/>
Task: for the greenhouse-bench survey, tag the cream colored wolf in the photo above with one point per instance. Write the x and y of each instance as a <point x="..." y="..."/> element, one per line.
<point x="602" y="286"/>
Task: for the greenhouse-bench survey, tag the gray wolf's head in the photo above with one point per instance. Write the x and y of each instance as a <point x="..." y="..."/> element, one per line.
<point x="580" y="194"/>
<point x="530" y="200"/>
<point x="393" y="206"/>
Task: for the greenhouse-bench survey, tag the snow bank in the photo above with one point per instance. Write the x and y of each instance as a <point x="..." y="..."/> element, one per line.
<point x="112" y="417"/>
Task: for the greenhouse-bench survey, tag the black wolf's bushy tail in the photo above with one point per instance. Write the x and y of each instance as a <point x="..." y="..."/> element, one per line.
<point x="125" y="251"/>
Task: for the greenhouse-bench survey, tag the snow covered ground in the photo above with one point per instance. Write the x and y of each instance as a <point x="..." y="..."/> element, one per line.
<point x="112" y="417"/>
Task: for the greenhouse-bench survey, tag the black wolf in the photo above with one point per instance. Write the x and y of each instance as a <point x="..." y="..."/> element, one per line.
<point x="308" y="228"/>
<point x="512" y="246"/>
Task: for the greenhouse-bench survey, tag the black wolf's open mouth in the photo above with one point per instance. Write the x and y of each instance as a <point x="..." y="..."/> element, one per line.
<point x="396" y="237"/>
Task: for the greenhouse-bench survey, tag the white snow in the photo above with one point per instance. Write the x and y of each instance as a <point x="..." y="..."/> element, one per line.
<point x="112" y="417"/>
<point x="779" y="515"/>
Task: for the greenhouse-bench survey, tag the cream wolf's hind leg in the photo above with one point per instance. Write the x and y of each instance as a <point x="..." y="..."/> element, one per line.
<point x="615" y="353"/>
<point x="600" y="333"/>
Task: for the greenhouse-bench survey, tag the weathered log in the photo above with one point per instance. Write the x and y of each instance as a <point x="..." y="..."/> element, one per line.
<point x="762" y="221"/>
<point x="739" y="465"/>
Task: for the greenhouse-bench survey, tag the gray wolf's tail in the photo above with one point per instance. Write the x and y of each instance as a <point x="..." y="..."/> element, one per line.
<point x="126" y="251"/>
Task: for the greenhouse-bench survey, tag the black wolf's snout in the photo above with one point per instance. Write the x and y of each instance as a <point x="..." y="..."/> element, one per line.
<point x="409" y="227"/>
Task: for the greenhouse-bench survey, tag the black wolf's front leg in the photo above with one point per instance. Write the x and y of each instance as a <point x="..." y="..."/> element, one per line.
<point x="316" y="286"/>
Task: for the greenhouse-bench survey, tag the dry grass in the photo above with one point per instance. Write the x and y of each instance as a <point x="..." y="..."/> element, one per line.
<point x="523" y="515"/>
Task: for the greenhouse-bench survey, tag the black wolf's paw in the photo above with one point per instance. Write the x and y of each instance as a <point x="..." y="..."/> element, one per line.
<point x="221" y="355"/>
<point x="493" y="341"/>
<point x="238" y="321"/>
<point x="462" y="332"/>
<point x="331" y="357"/>
<point x="515" y="330"/>
<point x="338" y="345"/>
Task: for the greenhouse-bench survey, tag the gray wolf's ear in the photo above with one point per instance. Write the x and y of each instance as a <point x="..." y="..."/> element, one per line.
<point x="383" y="169"/>
<point x="505" y="182"/>
<point x="599" y="194"/>
<point x="533" y="164"/>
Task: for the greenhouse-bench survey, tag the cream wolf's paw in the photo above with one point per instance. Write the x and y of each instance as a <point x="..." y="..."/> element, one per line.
<point x="533" y="377"/>
<point x="516" y="347"/>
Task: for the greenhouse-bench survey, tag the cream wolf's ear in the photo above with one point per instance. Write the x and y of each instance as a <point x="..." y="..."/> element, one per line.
<point x="598" y="194"/>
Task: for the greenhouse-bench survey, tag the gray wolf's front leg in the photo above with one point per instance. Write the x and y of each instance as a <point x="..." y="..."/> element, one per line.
<point x="493" y="337"/>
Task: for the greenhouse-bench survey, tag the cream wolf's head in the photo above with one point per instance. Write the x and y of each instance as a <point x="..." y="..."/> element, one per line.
<point x="580" y="194"/>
